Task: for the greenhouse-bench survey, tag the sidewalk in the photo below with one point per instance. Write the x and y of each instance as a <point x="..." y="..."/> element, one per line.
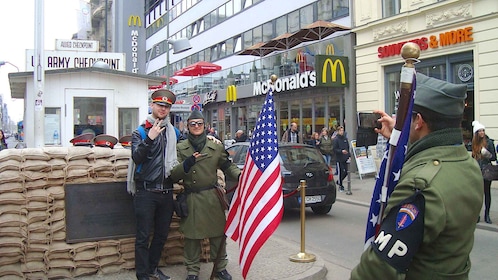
<point x="272" y="261"/>
<point x="362" y="193"/>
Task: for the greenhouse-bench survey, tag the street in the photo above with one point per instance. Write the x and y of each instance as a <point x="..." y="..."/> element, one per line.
<point x="338" y="238"/>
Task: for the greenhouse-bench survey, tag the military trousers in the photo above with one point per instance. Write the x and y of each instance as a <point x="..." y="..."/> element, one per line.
<point x="192" y="254"/>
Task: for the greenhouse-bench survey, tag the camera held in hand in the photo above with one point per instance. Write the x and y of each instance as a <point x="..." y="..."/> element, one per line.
<point x="366" y="135"/>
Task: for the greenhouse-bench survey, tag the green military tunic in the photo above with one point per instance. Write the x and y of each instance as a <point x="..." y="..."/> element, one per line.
<point x="452" y="186"/>
<point x="206" y="218"/>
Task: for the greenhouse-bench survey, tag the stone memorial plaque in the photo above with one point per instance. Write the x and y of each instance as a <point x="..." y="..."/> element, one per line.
<point x="98" y="211"/>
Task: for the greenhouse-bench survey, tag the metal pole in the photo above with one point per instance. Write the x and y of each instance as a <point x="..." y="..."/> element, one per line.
<point x="349" y="192"/>
<point x="302" y="256"/>
<point x="39" y="77"/>
<point x="167" y="44"/>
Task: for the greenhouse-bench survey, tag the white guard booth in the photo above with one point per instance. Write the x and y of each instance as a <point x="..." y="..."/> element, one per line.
<point x="83" y="100"/>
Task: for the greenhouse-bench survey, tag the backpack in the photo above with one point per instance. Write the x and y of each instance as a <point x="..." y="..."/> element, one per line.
<point x="132" y="168"/>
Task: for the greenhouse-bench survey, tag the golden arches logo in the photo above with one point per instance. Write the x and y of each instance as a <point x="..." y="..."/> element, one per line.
<point x="333" y="70"/>
<point x="300" y="57"/>
<point x="330" y="50"/>
<point x="134" y="20"/>
<point x="231" y="93"/>
<point x="159" y="22"/>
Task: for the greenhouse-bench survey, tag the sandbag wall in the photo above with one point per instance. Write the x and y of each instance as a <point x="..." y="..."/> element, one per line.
<point x="32" y="214"/>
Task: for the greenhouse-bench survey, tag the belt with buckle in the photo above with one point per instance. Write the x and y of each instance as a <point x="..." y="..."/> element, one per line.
<point x="155" y="187"/>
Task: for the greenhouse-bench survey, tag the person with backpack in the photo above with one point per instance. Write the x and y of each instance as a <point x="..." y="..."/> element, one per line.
<point x="153" y="151"/>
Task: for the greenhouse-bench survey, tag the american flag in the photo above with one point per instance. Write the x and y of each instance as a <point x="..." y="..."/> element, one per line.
<point x="257" y="207"/>
<point x="387" y="186"/>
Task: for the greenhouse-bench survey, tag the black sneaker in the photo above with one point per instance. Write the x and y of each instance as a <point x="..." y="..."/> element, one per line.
<point x="158" y="274"/>
<point x="224" y="275"/>
<point x="192" y="277"/>
<point x="341" y="188"/>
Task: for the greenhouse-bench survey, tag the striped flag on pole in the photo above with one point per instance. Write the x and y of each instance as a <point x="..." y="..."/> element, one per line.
<point x="257" y="206"/>
<point x="389" y="172"/>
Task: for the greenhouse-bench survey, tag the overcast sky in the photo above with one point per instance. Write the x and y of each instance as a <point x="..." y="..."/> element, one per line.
<point x="17" y="35"/>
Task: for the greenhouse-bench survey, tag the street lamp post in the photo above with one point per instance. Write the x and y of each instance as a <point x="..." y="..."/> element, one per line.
<point x="2" y="63"/>
<point x="179" y="45"/>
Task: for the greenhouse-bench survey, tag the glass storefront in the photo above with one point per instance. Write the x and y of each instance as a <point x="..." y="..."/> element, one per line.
<point x="454" y="68"/>
<point x="310" y="114"/>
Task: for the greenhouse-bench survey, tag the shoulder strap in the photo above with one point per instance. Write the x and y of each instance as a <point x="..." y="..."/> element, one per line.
<point x="140" y="129"/>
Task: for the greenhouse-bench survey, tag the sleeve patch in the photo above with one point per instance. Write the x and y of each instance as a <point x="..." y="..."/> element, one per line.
<point x="406" y="216"/>
<point x="402" y="233"/>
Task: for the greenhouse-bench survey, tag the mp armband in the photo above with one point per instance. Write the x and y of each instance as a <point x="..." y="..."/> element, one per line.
<point x="402" y="233"/>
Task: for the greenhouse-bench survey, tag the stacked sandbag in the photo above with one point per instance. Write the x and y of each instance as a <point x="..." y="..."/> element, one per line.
<point x="13" y="216"/>
<point x="32" y="214"/>
<point x="121" y="159"/>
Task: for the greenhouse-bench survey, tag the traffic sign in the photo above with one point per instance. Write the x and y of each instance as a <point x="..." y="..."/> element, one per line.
<point x="196" y="99"/>
<point x="195" y="107"/>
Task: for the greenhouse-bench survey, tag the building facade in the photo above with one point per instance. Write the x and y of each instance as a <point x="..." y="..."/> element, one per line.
<point x="220" y="30"/>
<point x="457" y="41"/>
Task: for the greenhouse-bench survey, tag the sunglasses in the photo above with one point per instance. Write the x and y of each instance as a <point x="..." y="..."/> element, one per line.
<point x="194" y="124"/>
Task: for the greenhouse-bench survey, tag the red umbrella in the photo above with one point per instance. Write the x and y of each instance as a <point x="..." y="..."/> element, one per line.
<point x="198" y="69"/>
<point x="172" y="81"/>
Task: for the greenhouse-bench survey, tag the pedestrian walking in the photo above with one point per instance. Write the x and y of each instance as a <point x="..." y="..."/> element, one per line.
<point x="199" y="161"/>
<point x="342" y="156"/>
<point x="483" y="150"/>
<point x="427" y="229"/>
<point x="292" y="135"/>
<point x="315" y="140"/>
<point x="155" y="156"/>
<point x="3" y="144"/>
<point x="326" y="145"/>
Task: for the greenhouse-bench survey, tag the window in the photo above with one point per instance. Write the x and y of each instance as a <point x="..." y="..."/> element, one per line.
<point x="306" y="16"/>
<point x="127" y="121"/>
<point x="390" y="7"/>
<point x="341" y="8"/>
<point x="293" y="24"/>
<point x="237" y="42"/>
<point x="52" y="126"/>
<point x="89" y="115"/>
<point x="257" y="34"/>
<point x="324" y="8"/>
<point x="281" y="25"/>
<point x="247" y="39"/>
<point x="268" y="32"/>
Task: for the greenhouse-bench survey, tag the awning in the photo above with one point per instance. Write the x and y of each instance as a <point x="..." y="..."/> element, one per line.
<point x="318" y="30"/>
<point x="198" y="69"/>
<point x="283" y="42"/>
<point x="257" y="50"/>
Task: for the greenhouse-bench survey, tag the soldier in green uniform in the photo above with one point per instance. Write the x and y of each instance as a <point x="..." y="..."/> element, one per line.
<point x="440" y="186"/>
<point x="199" y="161"/>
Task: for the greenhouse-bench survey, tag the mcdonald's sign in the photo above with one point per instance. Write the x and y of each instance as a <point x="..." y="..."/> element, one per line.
<point x="300" y="57"/>
<point x="330" y="50"/>
<point x="332" y="71"/>
<point x="134" y="20"/>
<point x="231" y="93"/>
<point x="159" y="22"/>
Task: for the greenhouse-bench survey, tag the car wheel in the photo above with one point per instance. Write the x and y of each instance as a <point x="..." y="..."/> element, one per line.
<point x="321" y="210"/>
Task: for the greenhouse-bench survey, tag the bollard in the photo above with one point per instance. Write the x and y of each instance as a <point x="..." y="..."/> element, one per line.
<point x="349" y="192"/>
<point x="302" y="256"/>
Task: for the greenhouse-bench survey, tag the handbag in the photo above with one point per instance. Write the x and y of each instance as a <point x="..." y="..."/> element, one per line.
<point x="490" y="172"/>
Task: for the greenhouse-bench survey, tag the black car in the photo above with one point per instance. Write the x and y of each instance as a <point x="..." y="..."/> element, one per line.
<point x="298" y="162"/>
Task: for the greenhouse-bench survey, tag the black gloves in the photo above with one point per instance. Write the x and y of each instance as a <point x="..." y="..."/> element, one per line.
<point x="188" y="163"/>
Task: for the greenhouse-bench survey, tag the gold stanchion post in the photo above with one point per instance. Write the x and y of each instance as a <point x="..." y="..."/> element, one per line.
<point x="302" y="256"/>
